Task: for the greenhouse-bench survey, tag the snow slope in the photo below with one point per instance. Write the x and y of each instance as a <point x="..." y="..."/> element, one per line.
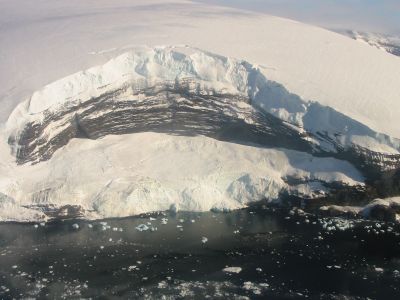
<point x="68" y="36"/>
<point x="131" y="174"/>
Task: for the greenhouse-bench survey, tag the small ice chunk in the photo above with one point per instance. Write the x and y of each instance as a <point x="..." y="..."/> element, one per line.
<point x="232" y="270"/>
<point x="204" y="240"/>
<point x="259" y="270"/>
<point x="164" y="221"/>
<point x="142" y="227"/>
<point x="380" y="270"/>
<point x="75" y="226"/>
<point x="132" y="268"/>
<point x="36" y="225"/>
<point x="337" y="267"/>
<point x="248" y="285"/>
<point x="90" y="225"/>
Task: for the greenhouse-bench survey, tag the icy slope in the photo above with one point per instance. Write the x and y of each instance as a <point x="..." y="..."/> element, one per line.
<point x="148" y="89"/>
<point x="131" y="174"/>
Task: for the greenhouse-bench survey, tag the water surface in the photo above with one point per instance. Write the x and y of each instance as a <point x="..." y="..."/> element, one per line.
<point x="281" y="256"/>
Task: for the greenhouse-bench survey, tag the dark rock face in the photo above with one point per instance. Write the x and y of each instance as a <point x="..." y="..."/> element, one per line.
<point x="383" y="213"/>
<point x="64" y="212"/>
<point x="170" y="109"/>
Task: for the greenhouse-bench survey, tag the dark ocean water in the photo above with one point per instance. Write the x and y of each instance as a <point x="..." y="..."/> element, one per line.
<point x="281" y="256"/>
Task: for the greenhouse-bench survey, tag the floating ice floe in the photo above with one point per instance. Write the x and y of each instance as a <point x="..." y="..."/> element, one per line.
<point x="132" y="268"/>
<point x="250" y="286"/>
<point x="142" y="227"/>
<point x="232" y="270"/>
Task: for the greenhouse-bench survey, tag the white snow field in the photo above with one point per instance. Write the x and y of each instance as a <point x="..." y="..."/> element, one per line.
<point x="316" y="80"/>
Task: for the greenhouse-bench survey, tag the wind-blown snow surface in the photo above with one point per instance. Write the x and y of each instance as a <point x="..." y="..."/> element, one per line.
<point x="137" y="173"/>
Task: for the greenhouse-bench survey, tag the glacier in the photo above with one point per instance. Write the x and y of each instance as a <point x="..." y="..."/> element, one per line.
<point x="123" y="175"/>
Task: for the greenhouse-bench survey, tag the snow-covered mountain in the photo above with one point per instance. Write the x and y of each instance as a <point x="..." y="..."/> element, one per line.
<point x="387" y="43"/>
<point x="85" y="140"/>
